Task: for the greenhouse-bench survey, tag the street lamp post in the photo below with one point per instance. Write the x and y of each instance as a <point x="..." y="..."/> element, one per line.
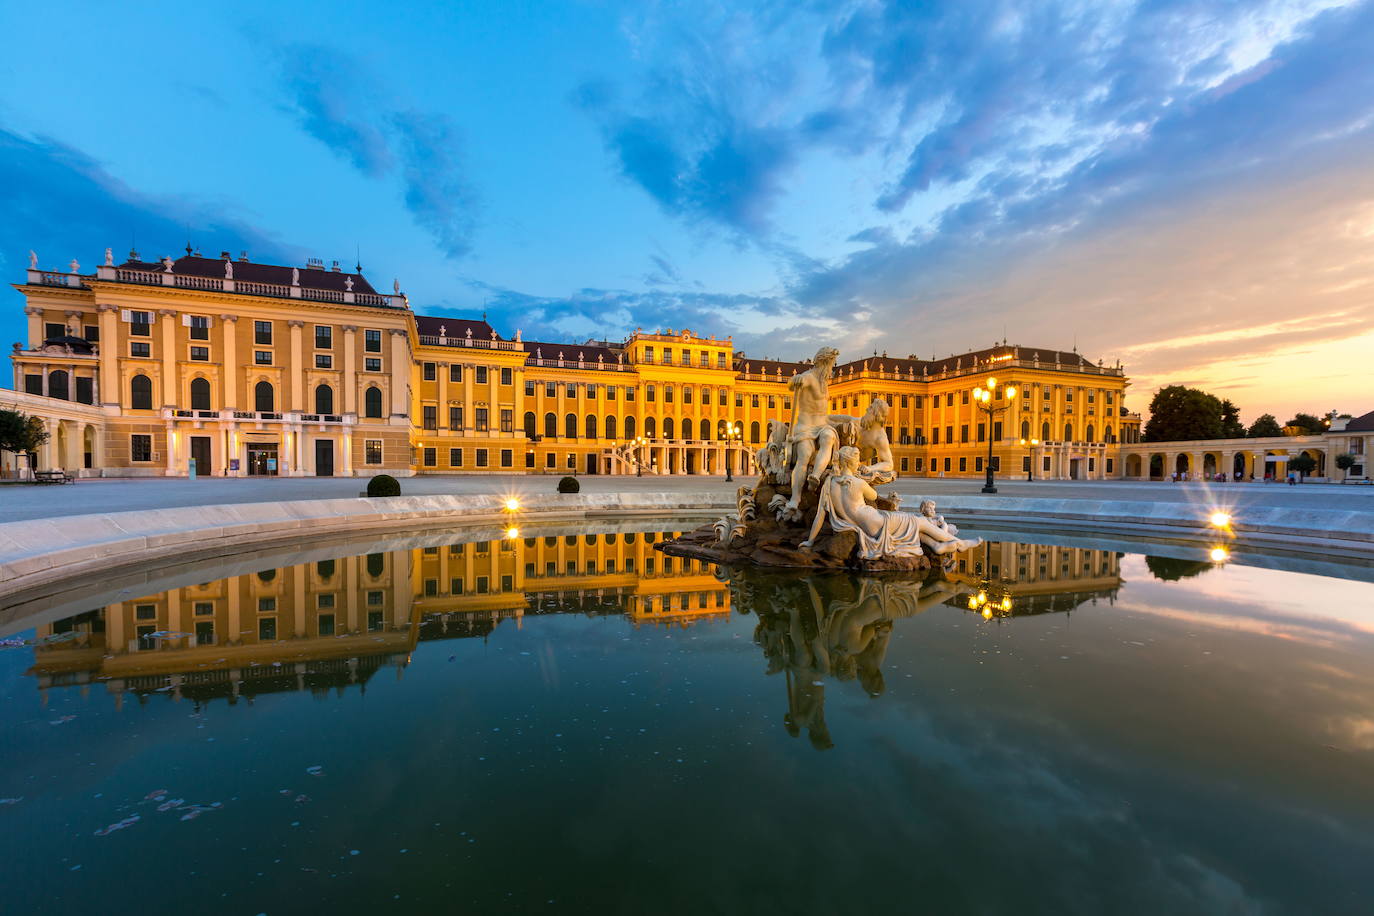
<point x="983" y="398"/>
<point x="1030" y="456"/>
<point x="639" y="443"/>
<point x="732" y="436"/>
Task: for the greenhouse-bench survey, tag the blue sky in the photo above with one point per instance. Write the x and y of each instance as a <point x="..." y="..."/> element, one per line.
<point x="1182" y="186"/>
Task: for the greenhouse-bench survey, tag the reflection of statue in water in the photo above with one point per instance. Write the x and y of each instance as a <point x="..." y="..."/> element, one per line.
<point x="812" y="437"/>
<point x="845" y="502"/>
<point x="829" y="626"/>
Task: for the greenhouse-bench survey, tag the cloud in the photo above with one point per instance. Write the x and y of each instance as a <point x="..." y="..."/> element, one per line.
<point x="62" y="203"/>
<point x="335" y="101"/>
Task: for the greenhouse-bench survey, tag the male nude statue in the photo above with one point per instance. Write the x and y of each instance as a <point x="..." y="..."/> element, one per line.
<point x="812" y="437"/>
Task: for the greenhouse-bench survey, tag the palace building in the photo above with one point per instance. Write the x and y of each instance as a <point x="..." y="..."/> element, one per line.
<point x="236" y="368"/>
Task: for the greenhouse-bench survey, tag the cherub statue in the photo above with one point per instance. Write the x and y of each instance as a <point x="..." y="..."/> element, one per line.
<point x="772" y="458"/>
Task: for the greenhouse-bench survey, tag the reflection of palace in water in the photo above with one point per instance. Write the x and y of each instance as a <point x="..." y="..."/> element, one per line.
<point x="334" y="623"/>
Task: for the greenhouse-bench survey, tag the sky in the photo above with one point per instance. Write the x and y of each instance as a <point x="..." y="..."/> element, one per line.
<point x="1185" y="186"/>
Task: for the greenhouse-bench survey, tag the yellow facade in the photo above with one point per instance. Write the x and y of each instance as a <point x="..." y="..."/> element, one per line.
<point x="260" y="369"/>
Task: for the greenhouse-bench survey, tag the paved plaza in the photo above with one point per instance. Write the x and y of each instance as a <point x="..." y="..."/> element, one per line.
<point x="22" y="502"/>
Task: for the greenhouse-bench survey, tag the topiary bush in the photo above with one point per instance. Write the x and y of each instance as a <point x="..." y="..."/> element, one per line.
<point x="569" y="485"/>
<point x="383" y="485"/>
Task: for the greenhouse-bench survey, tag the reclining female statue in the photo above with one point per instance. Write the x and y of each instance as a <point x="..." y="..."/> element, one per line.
<point x="844" y="501"/>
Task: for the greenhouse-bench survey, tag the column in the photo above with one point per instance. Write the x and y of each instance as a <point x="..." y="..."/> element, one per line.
<point x="297" y="369"/>
<point x="171" y="450"/>
<point x="169" y="357"/>
<point x="232" y="590"/>
<point x="441" y="371"/>
<point x="109" y="358"/>
<point x="228" y="341"/>
<point x="174" y="611"/>
<point x="1195" y="470"/>
<point x="400" y="375"/>
<point x="298" y="599"/>
<point x="467" y="397"/>
<point x="116" y="635"/>
<point x="350" y="370"/>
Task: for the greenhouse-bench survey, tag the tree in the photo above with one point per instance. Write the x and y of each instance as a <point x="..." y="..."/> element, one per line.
<point x="1307" y="423"/>
<point x="1346" y="461"/>
<point x="1303" y="463"/>
<point x="1231" y="427"/>
<point x="1180" y="414"/>
<point x="1265" y="425"/>
<point x="20" y="432"/>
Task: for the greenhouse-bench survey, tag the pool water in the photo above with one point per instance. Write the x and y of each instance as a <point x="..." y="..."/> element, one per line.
<point x="577" y="723"/>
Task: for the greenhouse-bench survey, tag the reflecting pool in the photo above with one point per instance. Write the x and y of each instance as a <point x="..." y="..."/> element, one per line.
<point x="578" y="723"/>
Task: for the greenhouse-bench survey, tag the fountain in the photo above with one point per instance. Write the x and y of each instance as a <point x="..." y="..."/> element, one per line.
<point x="815" y="504"/>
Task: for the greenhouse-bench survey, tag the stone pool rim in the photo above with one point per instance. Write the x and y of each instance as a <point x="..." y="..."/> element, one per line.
<point x="41" y="553"/>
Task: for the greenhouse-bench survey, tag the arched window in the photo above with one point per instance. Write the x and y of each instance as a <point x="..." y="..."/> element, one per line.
<point x="1068" y="432"/>
<point x="372" y="401"/>
<point x="376" y="564"/>
<point x="1089" y="433"/>
<point x="141" y="392"/>
<point x="531" y="425"/>
<point x="705" y="430"/>
<point x="267" y="575"/>
<point x="590" y="425"/>
<point x="668" y="429"/>
<point x="570" y="425"/>
<point x="1025" y="429"/>
<point x="59" y="385"/>
<point x="1109" y="435"/>
<point x="264" y="398"/>
<point x="610" y="427"/>
<point x="1045" y="431"/>
<point x="629" y="427"/>
<point x="200" y="394"/>
<point x="649" y="430"/>
<point x="324" y="399"/>
<point x="550" y="426"/>
<point x="754" y="432"/>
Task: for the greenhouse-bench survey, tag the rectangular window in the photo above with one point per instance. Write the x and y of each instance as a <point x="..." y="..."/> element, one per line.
<point x="1109" y="466"/>
<point x="375" y="621"/>
<point x="455" y="585"/>
<point x="200" y="327"/>
<point x="650" y="393"/>
<point x="1046" y="467"/>
<point x="753" y="400"/>
<point x="141" y="447"/>
<point x="720" y="360"/>
<point x="949" y="399"/>
<point x="267" y="605"/>
<point x="324" y="361"/>
<point x="550" y="460"/>
<point x="428" y="371"/>
<point x="92" y="335"/>
<point x="997" y="431"/>
<point x="739" y="399"/>
<point x="325" y="622"/>
<point x="667" y="394"/>
<point x="550" y="390"/>
<point x="572" y="390"/>
<point x="507" y="458"/>
<point x="375" y="598"/>
<point x="372" y="364"/>
<point x="529" y="459"/>
<point x="629" y="392"/>
<point x="507" y="420"/>
<point x="324" y="601"/>
<point x="455" y="457"/>
<point x="977" y="464"/>
<point x="705" y="396"/>
<point x="455" y="418"/>
<point x="1025" y="463"/>
<point x="267" y="628"/>
<point x="455" y="373"/>
<point x="919" y="463"/>
<point x="372" y="451"/>
<point x="483" y="585"/>
<point x="529" y="388"/>
<point x="372" y="340"/>
<point x="324" y="337"/>
<point x="481" y="375"/>
<point x="431" y="457"/>
<point x="480" y="419"/>
<point x="949" y="434"/>
<point x="772" y="402"/>
<point x="507" y="378"/>
<point x="262" y="357"/>
<point x="648" y="354"/>
<point x="904" y="465"/>
<point x="963" y="464"/>
<point x="200" y="354"/>
<point x="704" y="360"/>
<point x="145" y="612"/>
<point x="668" y="357"/>
<point x="481" y="457"/>
<point x="54" y="330"/>
<point x="204" y="608"/>
<point x="610" y="392"/>
<point x="262" y="332"/>
<point x="140" y="324"/>
<point x="982" y="432"/>
<point x="429" y="417"/>
<point x="140" y="348"/>
<point x="935" y="435"/>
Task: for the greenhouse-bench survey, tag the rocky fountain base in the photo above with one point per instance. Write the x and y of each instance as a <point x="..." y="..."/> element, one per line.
<point x="761" y="535"/>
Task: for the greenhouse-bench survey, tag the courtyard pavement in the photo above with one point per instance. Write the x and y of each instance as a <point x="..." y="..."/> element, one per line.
<point x="23" y="502"/>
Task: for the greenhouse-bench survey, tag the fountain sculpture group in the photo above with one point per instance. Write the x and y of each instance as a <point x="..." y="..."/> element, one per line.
<point x="815" y="503"/>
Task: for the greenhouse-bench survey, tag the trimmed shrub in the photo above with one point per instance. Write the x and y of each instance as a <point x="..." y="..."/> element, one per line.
<point x="383" y="485"/>
<point x="569" y="485"/>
